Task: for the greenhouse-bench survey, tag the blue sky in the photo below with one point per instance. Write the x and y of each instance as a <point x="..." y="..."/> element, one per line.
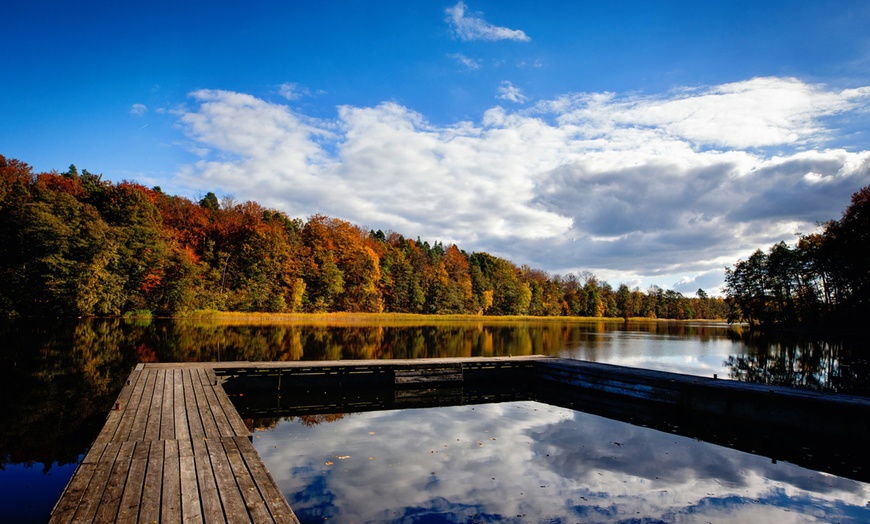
<point x="648" y="142"/>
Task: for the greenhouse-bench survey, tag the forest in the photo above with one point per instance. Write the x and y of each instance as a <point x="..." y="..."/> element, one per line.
<point x="823" y="281"/>
<point x="73" y="244"/>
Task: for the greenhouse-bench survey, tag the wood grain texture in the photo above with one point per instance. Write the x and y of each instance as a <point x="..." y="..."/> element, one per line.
<point x="166" y="454"/>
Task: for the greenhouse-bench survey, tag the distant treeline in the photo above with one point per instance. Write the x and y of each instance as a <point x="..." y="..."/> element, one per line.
<point x="823" y="281"/>
<point x="72" y="244"/>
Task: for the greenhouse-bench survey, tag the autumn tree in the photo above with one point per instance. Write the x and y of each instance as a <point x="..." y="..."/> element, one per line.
<point x="400" y="284"/>
<point x="823" y="280"/>
<point x="73" y="243"/>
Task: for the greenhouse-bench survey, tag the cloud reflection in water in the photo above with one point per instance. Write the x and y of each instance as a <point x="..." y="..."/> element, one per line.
<point x="526" y="461"/>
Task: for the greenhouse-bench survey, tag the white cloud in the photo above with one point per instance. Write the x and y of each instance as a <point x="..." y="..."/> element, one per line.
<point x="292" y="91"/>
<point x="755" y="113"/>
<point x="537" y="64"/>
<point x="638" y="189"/>
<point x="475" y="28"/>
<point x="508" y="91"/>
<point x="469" y="63"/>
<point x="138" y="109"/>
<point x="543" y="462"/>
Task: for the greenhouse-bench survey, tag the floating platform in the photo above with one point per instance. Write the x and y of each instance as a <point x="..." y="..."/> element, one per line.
<point x="176" y="449"/>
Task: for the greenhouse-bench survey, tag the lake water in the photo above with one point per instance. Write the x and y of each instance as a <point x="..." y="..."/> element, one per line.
<point x="59" y="379"/>
<point x="531" y="462"/>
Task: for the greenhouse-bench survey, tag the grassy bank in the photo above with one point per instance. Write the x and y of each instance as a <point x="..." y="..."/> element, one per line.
<point x="343" y="318"/>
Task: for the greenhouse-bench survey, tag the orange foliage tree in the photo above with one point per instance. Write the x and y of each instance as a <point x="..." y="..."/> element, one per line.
<point x="74" y="244"/>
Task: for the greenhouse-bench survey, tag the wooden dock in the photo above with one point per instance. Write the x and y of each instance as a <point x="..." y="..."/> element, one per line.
<point x="173" y="449"/>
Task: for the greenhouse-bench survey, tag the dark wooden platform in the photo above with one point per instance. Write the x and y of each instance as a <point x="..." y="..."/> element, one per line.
<point x="173" y="449"/>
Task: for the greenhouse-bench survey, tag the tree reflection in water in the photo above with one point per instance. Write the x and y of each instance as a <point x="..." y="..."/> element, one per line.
<point x="59" y="378"/>
<point x="839" y="365"/>
<point x="57" y="382"/>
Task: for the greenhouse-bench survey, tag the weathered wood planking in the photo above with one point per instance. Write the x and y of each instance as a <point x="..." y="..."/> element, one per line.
<point x="173" y="449"/>
<point x="425" y="374"/>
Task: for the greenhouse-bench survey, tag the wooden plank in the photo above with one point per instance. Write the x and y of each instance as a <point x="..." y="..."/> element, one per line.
<point x="110" y="502"/>
<point x="129" y="387"/>
<point x="152" y="425"/>
<point x="239" y="428"/>
<point x="89" y="504"/>
<point x="71" y="497"/>
<point x="228" y="367"/>
<point x="208" y="385"/>
<point x="140" y="418"/>
<point x="275" y="501"/>
<point x="111" y="499"/>
<point x="170" y="501"/>
<point x="237" y="425"/>
<point x="208" y="423"/>
<point x="427" y="379"/>
<point x="182" y="431"/>
<point x="130" y="500"/>
<point x="167" y="418"/>
<point x="428" y="374"/>
<point x="253" y="498"/>
<point x="131" y="407"/>
<point x="157" y="465"/>
<point x="149" y="511"/>
<point x="194" y="419"/>
<point x="113" y="421"/>
<point x="99" y="445"/>
<point x="231" y="498"/>
<point x="208" y="491"/>
<point x="191" y="509"/>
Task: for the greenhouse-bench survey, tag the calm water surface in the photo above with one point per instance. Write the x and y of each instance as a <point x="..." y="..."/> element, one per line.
<point x="59" y="379"/>
<point x="531" y="462"/>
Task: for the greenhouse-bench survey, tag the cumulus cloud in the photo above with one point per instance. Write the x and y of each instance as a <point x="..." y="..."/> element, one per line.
<point x="510" y="92"/>
<point x="470" y="27"/>
<point x="469" y="63"/>
<point x="138" y="109"/>
<point x="639" y="189"/>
